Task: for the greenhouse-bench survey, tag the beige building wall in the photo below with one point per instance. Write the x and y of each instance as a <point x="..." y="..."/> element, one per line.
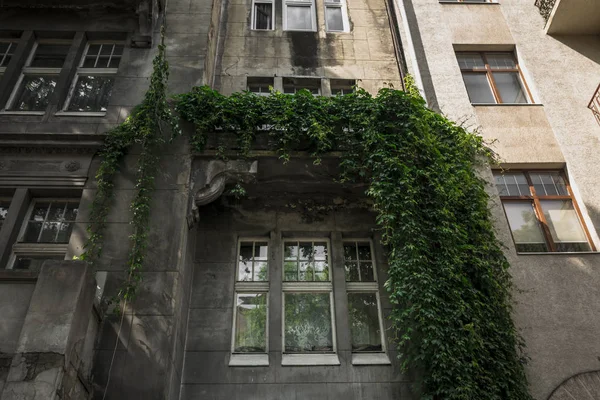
<point x="558" y="295"/>
<point x="365" y="53"/>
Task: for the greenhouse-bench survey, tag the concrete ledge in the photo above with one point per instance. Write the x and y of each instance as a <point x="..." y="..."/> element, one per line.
<point x="249" y="360"/>
<point x="309" y="359"/>
<point x="370" y="359"/>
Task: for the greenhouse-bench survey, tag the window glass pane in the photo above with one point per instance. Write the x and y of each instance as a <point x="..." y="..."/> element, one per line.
<point x="548" y="184"/>
<point x="342" y="86"/>
<point x="308" y="323"/>
<point x="252" y="262"/>
<point x="3" y="211"/>
<point x="91" y="93"/>
<point x="299" y="18"/>
<point x="565" y="228"/>
<point x="478" y="88"/>
<point x="57" y="209"/>
<point x="50" y="55"/>
<point x="511" y="184"/>
<point x="510" y="88"/>
<point x="64" y="232"/>
<point x="49" y="232"/>
<point x="34" y="92"/>
<point x="366" y="271"/>
<point x="364" y="251"/>
<point x="335" y="20"/>
<point x="501" y="60"/>
<point x="263" y="16"/>
<point x="364" y="322"/>
<point x="71" y="212"/>
<point x="350" y="251"/>
<point x="358" y="264"/>
<point x="34" y="263"/>
<point x="251" y="323"/>
<point x="306" y="261"/>
<point x="525" y="227"/>
<point x="470" y="61"/>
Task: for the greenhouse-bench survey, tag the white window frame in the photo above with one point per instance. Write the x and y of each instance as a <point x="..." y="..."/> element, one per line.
<point x="81" y="71"/>
<point x="250" y="287"/>
<point x="368" y="358"/>
<point x="297" y="88"/>
<point x="253" y="15"/>
<point x="300" y="3"/>
<point x="27" y="70"/>
<point x="344" y="8"/>
<point x="291" y="287"/>
<point x="21" y="248"/>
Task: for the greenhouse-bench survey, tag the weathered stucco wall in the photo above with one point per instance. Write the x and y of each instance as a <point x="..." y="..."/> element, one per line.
<point x="556" y="295"/>
<point x="366" y="53"/>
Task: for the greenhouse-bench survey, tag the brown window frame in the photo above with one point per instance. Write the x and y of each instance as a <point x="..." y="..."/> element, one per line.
<point x="536" y="199"/>
<point x="489" y="72"/>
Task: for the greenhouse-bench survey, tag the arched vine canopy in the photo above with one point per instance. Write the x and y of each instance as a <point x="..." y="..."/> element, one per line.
<point x="448" y="278"/>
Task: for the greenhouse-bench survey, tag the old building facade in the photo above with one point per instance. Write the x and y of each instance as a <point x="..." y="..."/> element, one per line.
<point x="280" y="295"/>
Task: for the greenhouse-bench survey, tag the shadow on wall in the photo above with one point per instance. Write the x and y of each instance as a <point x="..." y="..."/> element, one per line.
<point x="586" y="45"/>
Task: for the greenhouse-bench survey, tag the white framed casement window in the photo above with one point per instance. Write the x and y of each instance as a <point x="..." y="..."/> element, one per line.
<point x="293" y="85"/>
<point x="249" y="341"/>
<point x="341" y="87"/>
<point x="336" y="16"/>
<point x="4" y="206"/>
<point x="260" y="86"/>
<point x="364" y="304"/>
<point x="39" y="77"/>
<point x="94" y="79"/>
<point x="45" y="233"/>
<point x="7" y="50"/>
<point x="308" y="323"/>
<point x="263" y="15"/>
<point x="299" y="15"/>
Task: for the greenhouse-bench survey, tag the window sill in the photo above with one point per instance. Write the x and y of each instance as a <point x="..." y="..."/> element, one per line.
<point x="507" y="104"/>
<point x="559" y="253"/>
<point x="249" y="360"/>
<point x="309" y="359"/>
<point x="370" y="359"/>
<point x="466" y="2"/>
<point x="80" y="114"/>
<point x="18" y="275"/>
<point x="8" y="112"/>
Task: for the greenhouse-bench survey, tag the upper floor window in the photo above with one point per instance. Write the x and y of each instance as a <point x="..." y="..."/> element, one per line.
<point x="7" y="50"/>
<point x="95" y="77"/>
<point x="336" y="16"/>
<point x="342" y="86"/>
<point x="260" y="86"/>
<point x="44" y="233"/>
<point x="493" y="77"/>
<point x="293" y="85"/>
<point x="4" y="205"/>
<point x="542" y="214"/>
<point x="39" y="76"/>
<point x="299" y="15"/>
<point x="263" y="15"/>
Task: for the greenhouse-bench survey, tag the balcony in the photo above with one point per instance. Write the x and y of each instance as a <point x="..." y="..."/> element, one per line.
<point x="570" y="17"/>
<point x="595" y="104"/>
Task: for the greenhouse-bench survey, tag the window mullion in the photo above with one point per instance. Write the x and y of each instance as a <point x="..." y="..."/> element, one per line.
<point x="540" y="214"/>
<point x="491" y="80"/>
<point x="44" y="221"/>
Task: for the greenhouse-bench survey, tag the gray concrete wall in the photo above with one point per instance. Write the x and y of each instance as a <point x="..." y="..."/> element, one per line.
<point x="557" y="295"/>
<point x="268" y="212"/>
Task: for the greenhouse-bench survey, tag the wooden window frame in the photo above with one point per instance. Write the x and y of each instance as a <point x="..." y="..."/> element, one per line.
<point x="536" y="199"/>
<point x="489" y="72"/>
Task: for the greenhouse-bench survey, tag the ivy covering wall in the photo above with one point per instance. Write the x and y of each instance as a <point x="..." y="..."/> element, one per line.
<point x="448" y="278"/>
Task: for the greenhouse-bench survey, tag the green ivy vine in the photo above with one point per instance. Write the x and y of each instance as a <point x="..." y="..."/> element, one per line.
<point x="144" y="128"/>
<point x="448" y="278"/>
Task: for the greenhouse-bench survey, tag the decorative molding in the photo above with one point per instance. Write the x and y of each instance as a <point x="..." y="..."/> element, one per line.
<point x="218" y="174"/>
<point x="72" y="166"/>
<point x="66" y="149"/>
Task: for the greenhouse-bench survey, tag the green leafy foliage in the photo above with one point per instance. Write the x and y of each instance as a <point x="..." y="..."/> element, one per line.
<point x="448" y="278"/>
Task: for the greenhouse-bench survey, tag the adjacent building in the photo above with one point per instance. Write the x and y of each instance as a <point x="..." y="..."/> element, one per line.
<point x="280" y="295"/>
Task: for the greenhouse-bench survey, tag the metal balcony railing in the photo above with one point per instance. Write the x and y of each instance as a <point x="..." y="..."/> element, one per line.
<point x="595" y="104"/>
<point x="545" y="7"/>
